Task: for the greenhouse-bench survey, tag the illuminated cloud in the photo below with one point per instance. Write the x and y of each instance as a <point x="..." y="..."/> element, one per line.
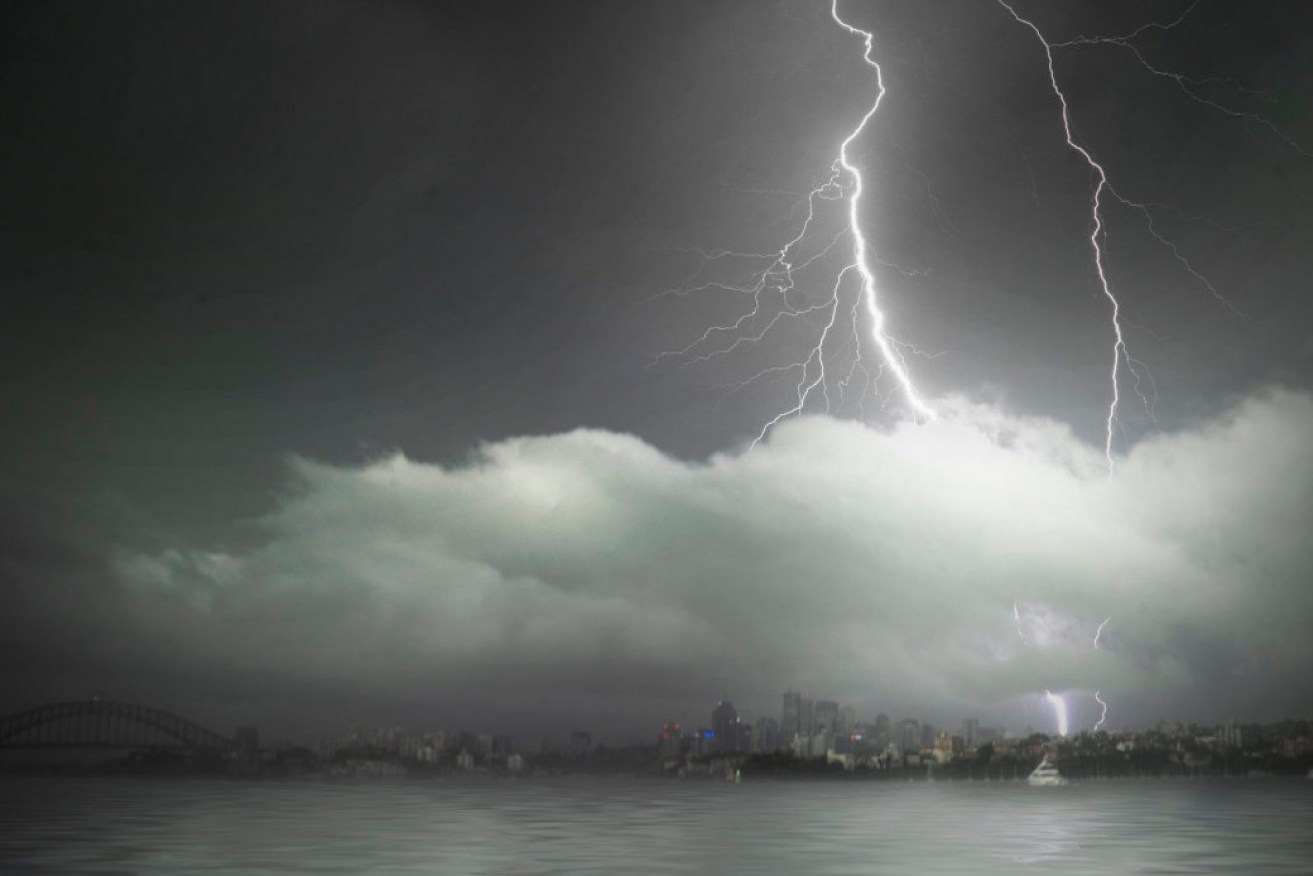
<point x="880" y="567"/>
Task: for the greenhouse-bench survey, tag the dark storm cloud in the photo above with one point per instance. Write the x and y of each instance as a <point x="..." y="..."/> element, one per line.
<point x="236" y="232"/>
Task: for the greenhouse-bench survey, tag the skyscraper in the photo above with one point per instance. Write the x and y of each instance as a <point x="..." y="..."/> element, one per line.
<point x="765" y="735"/>
<point x="725" y="724"/>
<point x="825" y="718"/>
<point x="789" y="720"/>
<point x="847" y="721"/>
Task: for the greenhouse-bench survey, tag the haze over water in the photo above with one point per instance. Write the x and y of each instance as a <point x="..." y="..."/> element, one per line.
<point x="584" y="826"/>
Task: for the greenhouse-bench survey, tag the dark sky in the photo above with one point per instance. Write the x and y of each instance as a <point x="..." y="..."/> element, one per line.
<point x="289" y="287"/>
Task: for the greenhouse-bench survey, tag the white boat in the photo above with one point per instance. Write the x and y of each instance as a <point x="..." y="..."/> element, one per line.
<point x="1047" y="774"/>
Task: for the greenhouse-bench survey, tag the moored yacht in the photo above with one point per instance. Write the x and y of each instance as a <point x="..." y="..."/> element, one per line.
<point x="1047" y="774"/>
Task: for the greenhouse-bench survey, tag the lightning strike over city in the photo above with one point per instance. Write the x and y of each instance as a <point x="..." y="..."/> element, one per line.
<point x="707" y="392"/>
<point x="778" y="288"/>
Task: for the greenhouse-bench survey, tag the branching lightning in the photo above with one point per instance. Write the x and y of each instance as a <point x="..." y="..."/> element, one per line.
<point x="1192" y="88"/>
<point x="846" y="317"/>
<point x="1119" y="351"/>
<point x="892" y="357"/>
<point x="772" y="299"/>
<point x="1195" y="90"/>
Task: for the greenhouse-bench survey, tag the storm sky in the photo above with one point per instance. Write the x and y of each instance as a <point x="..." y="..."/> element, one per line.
<point x="333" y="390"/>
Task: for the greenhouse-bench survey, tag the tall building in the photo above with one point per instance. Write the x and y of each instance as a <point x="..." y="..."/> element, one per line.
<point x="789" y="726"/>
<point x="907" y="734"/>
<point x="847" y="721"/>
<point x="806" y="720"/>
<point x="581" y="744"/>
<point x="825" y="718"/>
<point x="765" y="735"/>
<point x="881" y="729"/>
<point x="729" y="733"/>
<point x="971" y="731"/>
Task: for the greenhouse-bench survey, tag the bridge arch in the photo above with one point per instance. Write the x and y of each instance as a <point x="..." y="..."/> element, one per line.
<point x="102" y="723"/>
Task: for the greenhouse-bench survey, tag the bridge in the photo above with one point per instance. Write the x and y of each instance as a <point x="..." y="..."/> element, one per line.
<point x="98" y="723"/>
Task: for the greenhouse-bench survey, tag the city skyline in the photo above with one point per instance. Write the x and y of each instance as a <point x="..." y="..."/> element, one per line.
<point x="804" y="723"/>
<point x="541" y="366"/>
<point x="809" y="728"/>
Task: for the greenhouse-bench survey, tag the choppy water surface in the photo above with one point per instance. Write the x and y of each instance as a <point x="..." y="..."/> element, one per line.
<point x="115" y="825"/>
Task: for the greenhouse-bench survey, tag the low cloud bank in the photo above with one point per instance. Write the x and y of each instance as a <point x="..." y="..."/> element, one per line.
<point x="943" y="568"/>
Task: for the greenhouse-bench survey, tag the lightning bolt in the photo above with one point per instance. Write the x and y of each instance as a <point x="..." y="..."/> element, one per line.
<point x="1119" y="351"/>
<point x="1099" y="632"/>
<point x="1103" y="716"/>
<point x="1192" y="88"/>
<point x="771" y="296"/>
<point x="1059" y="711"/>
<point x="770" y="286"/>
<point x="892" y="358"/>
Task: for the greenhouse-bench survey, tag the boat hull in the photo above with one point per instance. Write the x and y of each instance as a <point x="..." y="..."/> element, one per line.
<point x="1046" y="775"/>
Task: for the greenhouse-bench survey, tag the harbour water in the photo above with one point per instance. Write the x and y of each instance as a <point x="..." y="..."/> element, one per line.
<point x="117" y="825"/>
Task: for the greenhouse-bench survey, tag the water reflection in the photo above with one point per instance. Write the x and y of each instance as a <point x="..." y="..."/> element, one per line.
<point x="564" y="826"/>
